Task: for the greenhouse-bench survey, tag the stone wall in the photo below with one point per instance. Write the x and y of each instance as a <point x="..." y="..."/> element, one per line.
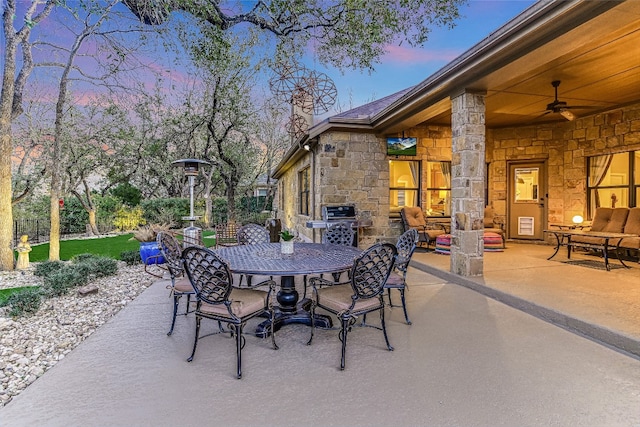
<point x="354" y="168"/>
<point x="565" y="146"/>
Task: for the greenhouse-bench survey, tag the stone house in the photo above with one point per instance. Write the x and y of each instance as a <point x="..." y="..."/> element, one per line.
<point x="540" y="120"/>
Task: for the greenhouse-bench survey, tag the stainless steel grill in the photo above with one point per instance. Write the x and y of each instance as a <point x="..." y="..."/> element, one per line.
<point x="337" y="213"/>
<point x="345" y="213"/>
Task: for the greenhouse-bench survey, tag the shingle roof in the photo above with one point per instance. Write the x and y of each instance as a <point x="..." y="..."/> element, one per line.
<point x="372" y="108"/>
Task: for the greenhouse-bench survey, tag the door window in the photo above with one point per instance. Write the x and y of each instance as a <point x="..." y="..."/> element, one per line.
<point x="527" y="185"/>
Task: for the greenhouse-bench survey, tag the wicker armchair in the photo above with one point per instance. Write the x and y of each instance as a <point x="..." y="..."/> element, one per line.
<point x="362" y="294"/>
<point x="218" y="300"/>
<point x="413" y="217"/>
<point x="180" y="284"/>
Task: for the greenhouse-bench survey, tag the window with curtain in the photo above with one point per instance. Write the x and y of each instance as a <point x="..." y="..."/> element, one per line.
<point x="404" y="185"/>
<point x="438" y="188"/>
<point x="636" y="176"/>
<point x="611" y="181"/>
<point x="304" y="178"/>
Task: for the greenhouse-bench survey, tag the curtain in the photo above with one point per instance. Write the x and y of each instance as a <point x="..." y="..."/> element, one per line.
<point x="415" y="173"/>
<point x="445" y="167"/>
<point x="598" y="167"/>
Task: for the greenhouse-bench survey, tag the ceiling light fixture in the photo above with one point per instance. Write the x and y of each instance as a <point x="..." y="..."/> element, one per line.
<point x="567" y="114"/>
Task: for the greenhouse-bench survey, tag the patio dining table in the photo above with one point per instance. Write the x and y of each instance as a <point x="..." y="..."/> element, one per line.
<point x="266" y="259"/>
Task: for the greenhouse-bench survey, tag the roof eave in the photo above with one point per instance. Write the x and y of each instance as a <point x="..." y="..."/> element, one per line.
<point x="522" y="34"/>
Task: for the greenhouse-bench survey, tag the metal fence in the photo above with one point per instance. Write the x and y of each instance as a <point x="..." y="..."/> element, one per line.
<point x="38" y="230"/>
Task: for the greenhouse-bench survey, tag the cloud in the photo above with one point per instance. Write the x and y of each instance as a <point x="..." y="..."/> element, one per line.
<point x="412" y="55"/>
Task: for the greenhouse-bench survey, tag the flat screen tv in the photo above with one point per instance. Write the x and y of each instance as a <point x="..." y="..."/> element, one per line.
<point x="402" y="146"/>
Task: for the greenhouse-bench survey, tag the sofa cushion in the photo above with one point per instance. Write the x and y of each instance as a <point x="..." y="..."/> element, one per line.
<point x="610" y="220"/>
<point x="632" y="225"/>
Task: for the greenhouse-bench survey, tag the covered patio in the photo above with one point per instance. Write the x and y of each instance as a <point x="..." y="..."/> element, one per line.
<point x="541" y="101"/>
<point x="586" y="299"/>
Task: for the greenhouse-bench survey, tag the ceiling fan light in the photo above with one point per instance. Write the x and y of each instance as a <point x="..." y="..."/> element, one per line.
<point x="567" y="114"/>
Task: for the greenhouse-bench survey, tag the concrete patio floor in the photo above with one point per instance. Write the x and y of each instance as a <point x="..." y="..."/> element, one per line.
<point x="602" y="305"/>
<point x="467" y="359"/>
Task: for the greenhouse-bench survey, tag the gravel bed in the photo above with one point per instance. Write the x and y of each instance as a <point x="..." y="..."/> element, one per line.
<point x="29" y="346"/>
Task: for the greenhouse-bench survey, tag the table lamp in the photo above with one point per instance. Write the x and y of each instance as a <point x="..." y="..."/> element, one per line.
<point x="577" y="219"/>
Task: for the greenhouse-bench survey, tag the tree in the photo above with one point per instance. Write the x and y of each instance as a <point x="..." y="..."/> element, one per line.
<point x="345" y="33"/>
<point x="227" y="115"/>
<point x="274" y="142"/>
<point x="13" y="82"/>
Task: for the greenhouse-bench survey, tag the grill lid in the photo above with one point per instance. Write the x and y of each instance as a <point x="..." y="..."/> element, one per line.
<point x="339" y="212"/>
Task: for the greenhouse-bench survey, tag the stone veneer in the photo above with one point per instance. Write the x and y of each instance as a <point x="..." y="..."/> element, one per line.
<point x="565" y="147"/>
<point x="353" y="167"/>
<point x="467" y="183"/>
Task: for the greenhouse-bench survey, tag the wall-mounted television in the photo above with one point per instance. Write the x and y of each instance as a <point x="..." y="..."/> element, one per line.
<point x="402" y="146"/>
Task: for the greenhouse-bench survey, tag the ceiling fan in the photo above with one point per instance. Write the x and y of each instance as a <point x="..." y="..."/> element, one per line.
<point x="561" y="106"/>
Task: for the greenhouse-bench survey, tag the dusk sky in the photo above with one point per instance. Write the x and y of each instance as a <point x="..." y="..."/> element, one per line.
<point x="403" y="66"/>
<point x="400" y="68"/>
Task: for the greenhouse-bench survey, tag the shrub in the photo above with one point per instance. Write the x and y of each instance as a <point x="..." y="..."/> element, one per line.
<point x="128" y="218"/>
<point x="26" y="301"/>
<point x="73" y="217"/>
<point x="130" y="257"/>
<point x="59" y="282"/>
<point x="103" y="266"/>
<point x="149" y="233"/>
<point x="94" y="265"/>
<point x="82" y="257"/>
<point x="168" y="210"/>
<point x="47" y="267"/>
<point x="127" y="193"/>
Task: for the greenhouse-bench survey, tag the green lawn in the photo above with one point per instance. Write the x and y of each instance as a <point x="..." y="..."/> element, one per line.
<point x="106" y="246"/>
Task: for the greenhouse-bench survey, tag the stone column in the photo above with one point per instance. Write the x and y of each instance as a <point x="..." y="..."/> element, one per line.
<point x="467" y="183"/>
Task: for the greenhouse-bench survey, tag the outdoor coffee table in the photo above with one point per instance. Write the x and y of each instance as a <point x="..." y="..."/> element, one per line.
<point x="265" y="259"/>
<point x="563" y="238"/>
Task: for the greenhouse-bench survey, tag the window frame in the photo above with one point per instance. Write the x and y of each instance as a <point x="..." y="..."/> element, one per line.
<point x="428" y="189"/>
<point x="304" y="191"/>
<point x="632" y="187"/>
<point x="417" y="189"/>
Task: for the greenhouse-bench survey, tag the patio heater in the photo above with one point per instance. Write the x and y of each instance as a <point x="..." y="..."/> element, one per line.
<point x="192" y="234"/>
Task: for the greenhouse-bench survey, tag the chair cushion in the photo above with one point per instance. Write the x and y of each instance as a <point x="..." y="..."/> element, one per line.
<point x="443" y="244"/>
<point x="499" y="231"/>
<point x="414" y="217"/>
<point x="492" y="242"/>
<point x="244" y="302"/>
<point x="183" y="285"/>
<point x="338" y="298"/>
<point x="489" y="215"/>
<point x="395" y="281"/>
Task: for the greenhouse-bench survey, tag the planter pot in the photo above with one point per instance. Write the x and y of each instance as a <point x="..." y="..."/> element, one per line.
<point x="150" y="254"/>
<point x="286" y="247"/>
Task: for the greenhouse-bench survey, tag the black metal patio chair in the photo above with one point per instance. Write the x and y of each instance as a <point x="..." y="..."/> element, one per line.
<point x="362" y="294"/>
<point x="338" y="233"/>
<point x="218" y="300"/>
<point x="180" y="284"/>
<point x="252" y="234"/>
<point x="405" y="246"/>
